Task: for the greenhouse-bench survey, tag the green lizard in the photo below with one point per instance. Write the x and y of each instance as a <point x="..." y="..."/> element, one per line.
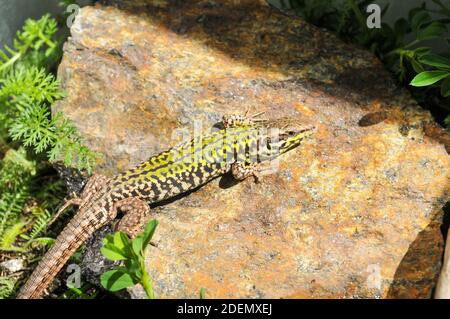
<point x="245" y="146"/>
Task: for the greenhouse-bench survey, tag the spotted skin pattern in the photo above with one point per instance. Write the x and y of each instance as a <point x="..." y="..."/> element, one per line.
<point x="242" y="147"/>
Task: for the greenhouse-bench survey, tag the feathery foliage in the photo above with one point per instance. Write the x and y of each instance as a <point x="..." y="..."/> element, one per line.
<point x="7" y="285"/>
<point x="20" y="215"/>
<point x="33" y="45"/>
<point x="27" y="91"/>
<point x="30" y="138"/>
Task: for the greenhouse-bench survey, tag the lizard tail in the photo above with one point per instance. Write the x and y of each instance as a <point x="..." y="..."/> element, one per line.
<point x="68" y="241"/>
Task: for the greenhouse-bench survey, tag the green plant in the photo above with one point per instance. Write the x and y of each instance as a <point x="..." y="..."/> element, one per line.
<point x="15" y="175"/>
<point x="24" y="203"/>
<point x="120" y="247"/>
<point x="441" y="72"/>
<point x="25" y="97"/>
<point x="402" y="47"/>
<point x="33" y="45"/>
<point x="26" y="93"/>
<point x="86" y="291"/>
<point x="420" y="27"/>
<point x="345" y="17"/>
<point x="202" y="293"/>
<point x="7" y="285"/>
<point x="30" y="139"/>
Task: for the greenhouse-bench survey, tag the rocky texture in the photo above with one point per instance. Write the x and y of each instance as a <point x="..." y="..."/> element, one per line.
<point x="93" y="263"/>
<point x="12" y="265"/>
<point x="355" y="212"/>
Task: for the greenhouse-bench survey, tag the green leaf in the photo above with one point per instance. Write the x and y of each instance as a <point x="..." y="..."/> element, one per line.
<point x="137" y="245"/>
<point x="108" y="239"/>
<point x="121" y="240"/>
<point x="115" y="280"/>
<point x="419" y="19"/>
<point x="422" y="51"/>
<point x="434" y="30"/>
<point x="149" y="232"/>
<point x="416" y="66"/>
<point x="133" y="267"/>
<point x="435" y="60"/>
<point x="445" y="87"/>
<point x="202" y="293"/>
<point x="113" y="253"/>
<point x="428" y="78"/>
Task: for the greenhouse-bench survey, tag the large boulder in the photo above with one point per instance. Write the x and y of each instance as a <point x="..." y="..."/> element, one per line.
<point x="355" y="212"/>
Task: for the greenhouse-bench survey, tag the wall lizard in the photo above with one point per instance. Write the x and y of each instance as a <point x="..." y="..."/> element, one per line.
<point x="245" y="146"/>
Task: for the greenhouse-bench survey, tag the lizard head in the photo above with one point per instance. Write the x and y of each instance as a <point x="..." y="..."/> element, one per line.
<point x="285" y="134"/>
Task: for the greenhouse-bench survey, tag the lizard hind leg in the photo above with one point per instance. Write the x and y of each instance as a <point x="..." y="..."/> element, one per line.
<point x="136" y="212"/>
<point x="94" y="184"/>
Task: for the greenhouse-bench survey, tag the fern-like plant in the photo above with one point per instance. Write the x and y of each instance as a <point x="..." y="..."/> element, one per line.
<point x="15" y="177"/>
<point x="7" y="285"/>
<point x="33" y="45"/>
<point x="30" y="138"/>
<point x="27" y="91"/>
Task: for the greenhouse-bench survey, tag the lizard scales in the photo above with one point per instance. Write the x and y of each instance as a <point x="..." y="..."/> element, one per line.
<point x="240" y="147"/>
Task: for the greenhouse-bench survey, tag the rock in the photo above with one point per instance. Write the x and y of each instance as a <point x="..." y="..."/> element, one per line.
<point x="354" y="213"/>
<point x="93" y="263"/>
<point x="12" y="265"/>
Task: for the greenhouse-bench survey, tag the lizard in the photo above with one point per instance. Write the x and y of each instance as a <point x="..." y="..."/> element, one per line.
<point x="244" y="146"/>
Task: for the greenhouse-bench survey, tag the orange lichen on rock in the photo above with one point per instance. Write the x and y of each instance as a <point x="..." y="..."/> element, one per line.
<point x="355" y="212"/>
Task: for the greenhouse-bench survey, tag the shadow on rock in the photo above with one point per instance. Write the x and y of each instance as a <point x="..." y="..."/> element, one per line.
<point x="409" y="279"/>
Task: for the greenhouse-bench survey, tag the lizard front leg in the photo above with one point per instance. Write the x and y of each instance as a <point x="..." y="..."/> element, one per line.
<point x="135" y="212"/>
<point x="93" y="185"/>
<point x="241" y="171"/>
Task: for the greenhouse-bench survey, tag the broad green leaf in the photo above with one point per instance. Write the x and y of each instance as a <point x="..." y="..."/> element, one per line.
<point x="121" y="240"/>
<point x="133" y="266"/>
<point x="434" y="30"/>
<point x="115" y="280"/>
<point x="419" y="19"/>
<point x="428" y="78"/>
<point x="422" y="51"/>
<point x="149" y="232"/>
<point x="109" y="239"/>
<point x="113" y="253"/>
<point x="417" y="66"/>
<point x="435" y="60"/>
<point x="445" y="87"/>
<point x="137" y="244"/>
